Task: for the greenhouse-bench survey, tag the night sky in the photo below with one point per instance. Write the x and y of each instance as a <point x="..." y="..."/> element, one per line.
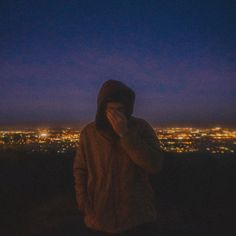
<point x="178" y="56"/>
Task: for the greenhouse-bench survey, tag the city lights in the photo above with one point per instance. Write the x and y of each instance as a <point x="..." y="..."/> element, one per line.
<point x="178" y="140"/>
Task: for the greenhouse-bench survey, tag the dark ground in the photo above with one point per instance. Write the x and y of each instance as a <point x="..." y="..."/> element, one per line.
<point x="196" y="195"/>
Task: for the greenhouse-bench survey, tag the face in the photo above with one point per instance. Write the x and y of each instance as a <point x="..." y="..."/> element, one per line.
<point x="115" y="106"/>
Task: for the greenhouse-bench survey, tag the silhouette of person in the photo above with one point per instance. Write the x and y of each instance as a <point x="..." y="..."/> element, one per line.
<point x="115" y="155"/>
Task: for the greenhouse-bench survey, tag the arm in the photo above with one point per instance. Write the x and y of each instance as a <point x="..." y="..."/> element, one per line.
<point x="144" y="148"/>
<point x="80" y="176"/>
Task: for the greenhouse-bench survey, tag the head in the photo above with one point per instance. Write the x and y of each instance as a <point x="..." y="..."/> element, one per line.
<point x="113" y="95"/>
<point x="115" y="106"/>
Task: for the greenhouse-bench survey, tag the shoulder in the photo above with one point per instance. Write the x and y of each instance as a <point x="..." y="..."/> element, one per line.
<point x="140" y="122"/>
<point x="143" y="127"/>
<point x="87" y="128"/>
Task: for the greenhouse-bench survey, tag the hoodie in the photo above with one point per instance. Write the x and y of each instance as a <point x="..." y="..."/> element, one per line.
<point x="111" y="173"/>
<point x="113" y="91"/>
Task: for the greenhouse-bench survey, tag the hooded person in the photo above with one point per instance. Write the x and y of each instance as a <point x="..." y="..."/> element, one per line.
<point x="112" y="187"/>
<point x="113" y="91"/>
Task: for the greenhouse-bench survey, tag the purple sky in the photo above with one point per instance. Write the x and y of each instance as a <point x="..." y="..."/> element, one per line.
<point x="179" y="58"/>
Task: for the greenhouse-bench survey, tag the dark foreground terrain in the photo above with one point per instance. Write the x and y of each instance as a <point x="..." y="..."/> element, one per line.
<point x="196" y="195"/>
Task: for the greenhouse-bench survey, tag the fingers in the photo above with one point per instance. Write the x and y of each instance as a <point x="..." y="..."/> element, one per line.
<point x="120" y="114"/>
<point x="110" y="117"/>
<point x="118" y="121"/>
<point x="116" y="116"/>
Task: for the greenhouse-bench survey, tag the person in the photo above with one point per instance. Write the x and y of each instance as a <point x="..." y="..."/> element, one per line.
<point x="116" y="154"/>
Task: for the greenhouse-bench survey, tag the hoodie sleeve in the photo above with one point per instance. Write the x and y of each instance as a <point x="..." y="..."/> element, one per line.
<point x="80" y="175"/>
<point x="143" y="148"/>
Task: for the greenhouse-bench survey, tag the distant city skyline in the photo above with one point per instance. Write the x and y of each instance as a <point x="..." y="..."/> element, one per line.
<point x="181" y="140"/>
<point x="178" y="57"/>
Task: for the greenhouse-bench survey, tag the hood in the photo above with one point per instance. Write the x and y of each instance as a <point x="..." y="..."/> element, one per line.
<point x="113" y="91"/>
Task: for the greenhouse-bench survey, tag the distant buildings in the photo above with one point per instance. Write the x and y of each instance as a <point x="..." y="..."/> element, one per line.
<point x="177" y="140"/>
<point x="213" y="140"/>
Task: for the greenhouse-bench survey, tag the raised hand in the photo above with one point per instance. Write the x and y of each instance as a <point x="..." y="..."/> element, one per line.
<point x="118" y="121"/>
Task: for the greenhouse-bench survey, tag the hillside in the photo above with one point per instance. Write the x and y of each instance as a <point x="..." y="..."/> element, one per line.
<point x="195" y="195"/>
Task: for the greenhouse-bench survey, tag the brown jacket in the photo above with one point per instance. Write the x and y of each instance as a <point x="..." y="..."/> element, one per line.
<point x="111" y="176"/>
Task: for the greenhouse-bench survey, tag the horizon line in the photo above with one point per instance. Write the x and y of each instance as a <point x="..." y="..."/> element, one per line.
<point x="60" y="125"/>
